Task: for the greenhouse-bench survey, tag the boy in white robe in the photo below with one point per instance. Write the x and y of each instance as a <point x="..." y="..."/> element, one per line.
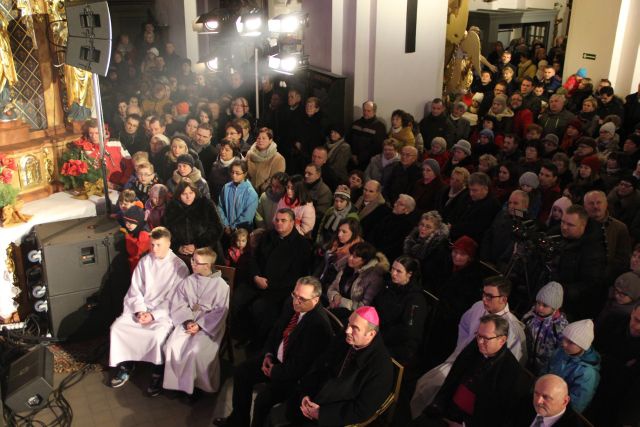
<point x="199" y="310"/>
<point x="140" y="332"/>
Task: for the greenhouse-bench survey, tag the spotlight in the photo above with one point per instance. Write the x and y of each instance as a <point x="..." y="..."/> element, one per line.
<point x="39" y="291"/>
<point x="288" y="63"/>
<point x="211" y="65"/>
<point x="250" y="23"/>
<point x="288" y="23"/>
<point x="41" y="306"/>
<point x="211" y="22"/>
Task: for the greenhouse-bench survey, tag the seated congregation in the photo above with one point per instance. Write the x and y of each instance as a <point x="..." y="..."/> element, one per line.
<point x="491" y="250"/>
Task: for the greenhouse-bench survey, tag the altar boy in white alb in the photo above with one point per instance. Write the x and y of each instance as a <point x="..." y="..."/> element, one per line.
<point x="141" y="331"/>
<point x="198" y="309"/>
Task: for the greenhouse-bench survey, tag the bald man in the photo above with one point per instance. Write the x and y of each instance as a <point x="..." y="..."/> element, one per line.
<point x="550" y="405"/>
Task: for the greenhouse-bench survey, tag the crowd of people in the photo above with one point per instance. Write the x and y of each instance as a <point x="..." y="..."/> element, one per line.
<point x="491" y="248"/>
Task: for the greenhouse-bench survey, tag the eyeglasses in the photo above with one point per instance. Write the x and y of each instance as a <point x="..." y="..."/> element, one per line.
<point x="237" y="173"/>
<point x="194" y="262"/>
<point x="482" y="338"/>
<point x="624" y="184"/>
<point x="299" y="298"/>
<point x="489" y="296"/>
<point x="619" y="292"/>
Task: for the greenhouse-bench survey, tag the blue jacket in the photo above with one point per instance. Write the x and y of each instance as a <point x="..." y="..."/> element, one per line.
<point x="582" y="374"/>
<point x="237" y="204"/>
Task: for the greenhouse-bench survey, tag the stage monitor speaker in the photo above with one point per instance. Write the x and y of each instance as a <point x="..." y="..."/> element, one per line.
<point x="90" y="36"/>
<point x="76" y="259"/>
<point x="30" y="381"/>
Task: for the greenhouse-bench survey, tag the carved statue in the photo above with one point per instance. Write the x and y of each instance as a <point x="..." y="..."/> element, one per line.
<point x="8" y="76"/>
<point x="462" y="50"/>
<point x="79" y="92"/>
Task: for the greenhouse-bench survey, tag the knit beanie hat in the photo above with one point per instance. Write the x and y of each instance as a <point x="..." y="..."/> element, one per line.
<point x="530" y="179"/>
<point x="588" y="141"/>
<point x="500" y="99"/>
<point x="467" y="245"/>
<point x="487" y="133"/>
<point x="433" y="164"/>
<point x="161" y="137"/>
<point x="582" y="72"/>
<point x="182" y="108"/>
<point x="593" y="162"/>
<point x="608" y="127"/>
<point x="551" y="294"/>
<point x="134" y="214"/>
<point x="154" y="51"/>
<point x="552" y="138"/>
<point x="369" y="314"/>
<point x="463" y="145"/>
<point x="440" y="142"/>
<point x="563" y="203"/>
<point x="343" y="191"/>
<point x="629" y="284"/>
<point x="629" y="178"/>
<point x="580" y="333"/>
<point x="337" y="128"/>
<point x="186" y="159"/>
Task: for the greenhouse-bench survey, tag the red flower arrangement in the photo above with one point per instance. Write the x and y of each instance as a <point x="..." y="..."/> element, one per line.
<point x="76" y="166"/>
<point x="7" y="192"/>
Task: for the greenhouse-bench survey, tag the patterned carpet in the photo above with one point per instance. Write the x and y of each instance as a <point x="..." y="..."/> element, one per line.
<point x="71" y="357"/>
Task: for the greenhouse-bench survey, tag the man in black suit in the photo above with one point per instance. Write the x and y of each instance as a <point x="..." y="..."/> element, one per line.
<point x="281" y="257"/>
<point x="550" y="405"/>
<point x="297" y="338"/>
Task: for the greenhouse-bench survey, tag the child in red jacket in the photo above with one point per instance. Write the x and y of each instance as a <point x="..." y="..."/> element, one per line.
<point x="137" y="238"/>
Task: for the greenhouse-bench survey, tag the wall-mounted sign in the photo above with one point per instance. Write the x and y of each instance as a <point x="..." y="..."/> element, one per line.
<point x="591" y="56"/>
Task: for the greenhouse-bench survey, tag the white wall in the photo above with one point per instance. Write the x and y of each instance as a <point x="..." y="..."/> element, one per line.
<point x="513" y="4"/>
<point x="592" y="30"/>
<point x="408" y="80"/>
<point x="625" y="50"/>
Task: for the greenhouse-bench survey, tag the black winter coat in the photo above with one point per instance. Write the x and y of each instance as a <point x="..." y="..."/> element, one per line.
<point x="282" y="261"/>
<point x="580" y="268"/>
<point x="197" y="224"/>
<point x="403" y="312"/>
<point x="474" y="218"/>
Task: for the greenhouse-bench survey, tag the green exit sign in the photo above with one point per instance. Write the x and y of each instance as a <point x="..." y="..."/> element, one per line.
<point x="591" y="56"/>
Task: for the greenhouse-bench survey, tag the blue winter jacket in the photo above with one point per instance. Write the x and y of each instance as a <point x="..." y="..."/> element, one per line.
<point x="582" y="374"/>
<point x="237" y="204"/>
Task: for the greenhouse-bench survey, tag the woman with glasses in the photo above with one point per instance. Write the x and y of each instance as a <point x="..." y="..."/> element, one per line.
<point x="193" y="221"/>
<point x="623" y="297"/>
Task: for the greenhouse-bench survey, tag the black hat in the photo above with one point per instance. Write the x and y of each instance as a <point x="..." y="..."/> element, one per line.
<point x="187" y="159"/>
<point x="337" y="128"/>
<point x="134" y="214"/>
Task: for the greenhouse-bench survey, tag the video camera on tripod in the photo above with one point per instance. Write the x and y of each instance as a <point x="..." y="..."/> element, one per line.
<point x="533" y="240"/>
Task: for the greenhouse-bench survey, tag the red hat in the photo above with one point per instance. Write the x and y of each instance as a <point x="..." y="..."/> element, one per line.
<point x="593" y="162"/>
<point x="369" y="314"/>
<point x="467" y="245"/>
<point x="182" y="108"/>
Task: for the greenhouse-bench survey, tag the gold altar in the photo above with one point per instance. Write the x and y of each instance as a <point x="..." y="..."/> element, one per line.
<point x="38" y="133"/>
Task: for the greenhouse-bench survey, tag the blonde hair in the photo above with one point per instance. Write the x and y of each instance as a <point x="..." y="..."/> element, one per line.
<point x="145" y="165"/>
<point x="208" y="253"/>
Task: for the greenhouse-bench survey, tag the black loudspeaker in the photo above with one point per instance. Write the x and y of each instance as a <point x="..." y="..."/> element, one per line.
<point x="30" y="381"/>
<point x="76" y="258"/>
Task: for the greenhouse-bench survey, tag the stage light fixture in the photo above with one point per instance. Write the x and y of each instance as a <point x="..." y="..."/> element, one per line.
<point x="288" y="63"/>
<point x="287" y="23"/>
<point x="211" y="22"/>
<point x="250" y="24"/>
